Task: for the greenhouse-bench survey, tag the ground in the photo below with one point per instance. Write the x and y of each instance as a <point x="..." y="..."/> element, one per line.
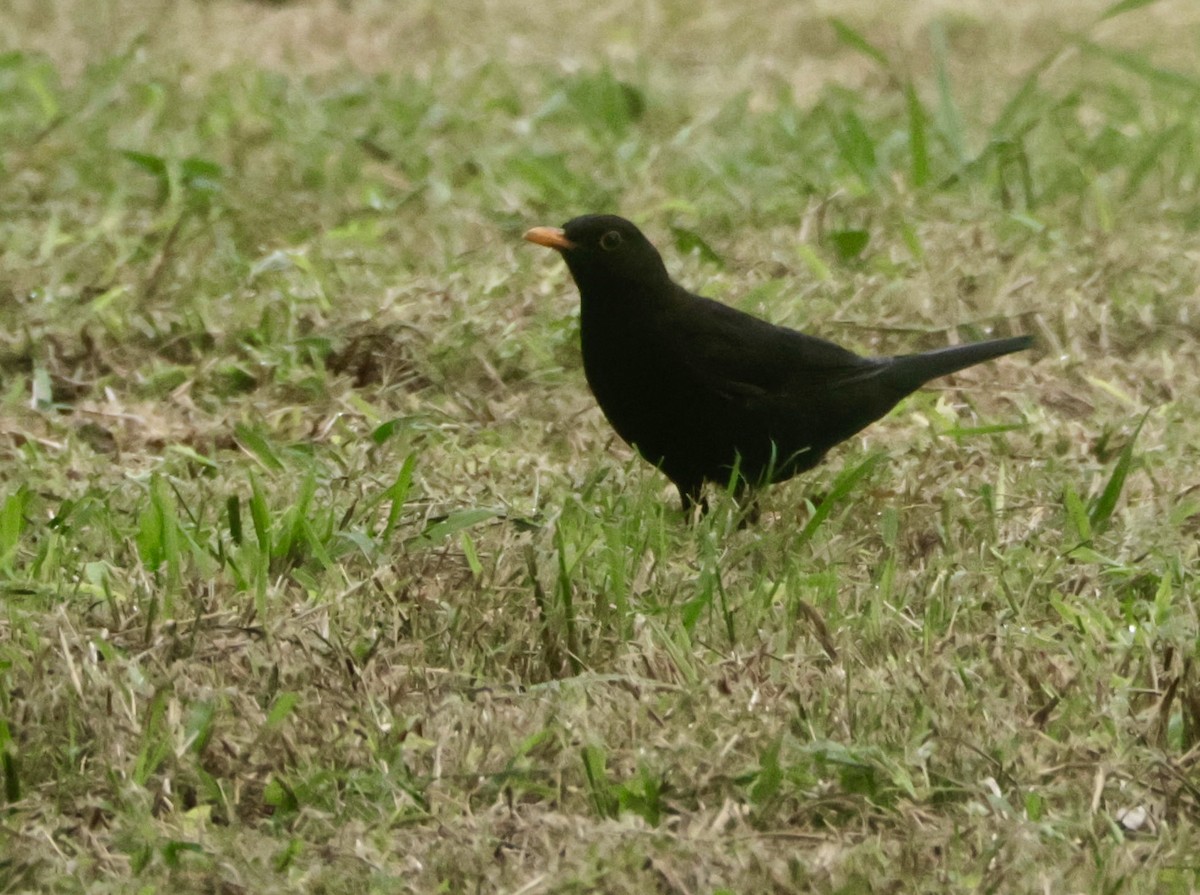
<point x="321" y="571"/>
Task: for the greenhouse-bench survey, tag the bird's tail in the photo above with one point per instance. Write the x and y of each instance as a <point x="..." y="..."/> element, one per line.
<point x="911" y="371"/>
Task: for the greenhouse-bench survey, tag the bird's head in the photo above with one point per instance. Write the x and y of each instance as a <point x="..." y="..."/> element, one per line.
<point x="607" y="256"/>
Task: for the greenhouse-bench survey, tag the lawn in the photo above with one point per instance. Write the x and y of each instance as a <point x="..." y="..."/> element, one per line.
<point x="321" y="571"/>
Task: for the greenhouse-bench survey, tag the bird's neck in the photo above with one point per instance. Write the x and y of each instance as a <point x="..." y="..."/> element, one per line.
<point x="623" y="323"/>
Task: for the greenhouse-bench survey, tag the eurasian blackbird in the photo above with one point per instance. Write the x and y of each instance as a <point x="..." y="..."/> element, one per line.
<point x="704" y="391"/>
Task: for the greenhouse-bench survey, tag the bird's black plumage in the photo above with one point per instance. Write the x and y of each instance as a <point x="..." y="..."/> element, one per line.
<point x="700" y="388"/>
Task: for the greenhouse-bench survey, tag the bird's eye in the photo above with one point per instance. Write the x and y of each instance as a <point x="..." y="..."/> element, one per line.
<point x="610" y="240"/>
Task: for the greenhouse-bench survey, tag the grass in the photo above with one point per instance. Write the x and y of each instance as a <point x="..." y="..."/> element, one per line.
<point x="320" y="570"/>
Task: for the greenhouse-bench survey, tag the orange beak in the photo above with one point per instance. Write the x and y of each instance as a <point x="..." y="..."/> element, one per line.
<point x="551" y="237"/>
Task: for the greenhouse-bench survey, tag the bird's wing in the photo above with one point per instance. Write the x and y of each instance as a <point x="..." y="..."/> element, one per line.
<point x="747" y="359"/>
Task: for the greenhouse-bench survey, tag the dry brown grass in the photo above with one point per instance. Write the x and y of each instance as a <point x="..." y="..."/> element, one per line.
<point x="949" y="687"/>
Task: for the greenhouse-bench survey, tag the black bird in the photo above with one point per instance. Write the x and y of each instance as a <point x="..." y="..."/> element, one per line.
<point x="702" y="390"/>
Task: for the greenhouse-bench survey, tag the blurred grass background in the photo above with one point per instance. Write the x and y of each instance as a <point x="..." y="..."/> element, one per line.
<point x="321" y="571"/>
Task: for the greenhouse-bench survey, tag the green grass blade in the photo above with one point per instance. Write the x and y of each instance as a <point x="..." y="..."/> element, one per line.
<point x="452" y="523"/>
<point x="949" y="120"/>
<point x="961" y="432"/>
<point x="1077" y="515"/>
<point x="1138" y="64"/>
<point x="283" y="706"/>
<point x="397" y="494"/>
<point x="689" y="241"/>
<point x="12" y="523"/>
<point x="855" y="145"/>
<point x="9" y="763"/>
<point x="599" y="786"/>
<point x="918" y="146"/>
<point x="1102" y="510"/>
<point x="842" y="486"/>
<point x="257" y="445"/>
<point x="1150" y="159"/>
<point x="855" y="40"/>
<point x="260" y="515"/>
<point x="1023" y="98"/>
<point x="1124" y="6"/>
